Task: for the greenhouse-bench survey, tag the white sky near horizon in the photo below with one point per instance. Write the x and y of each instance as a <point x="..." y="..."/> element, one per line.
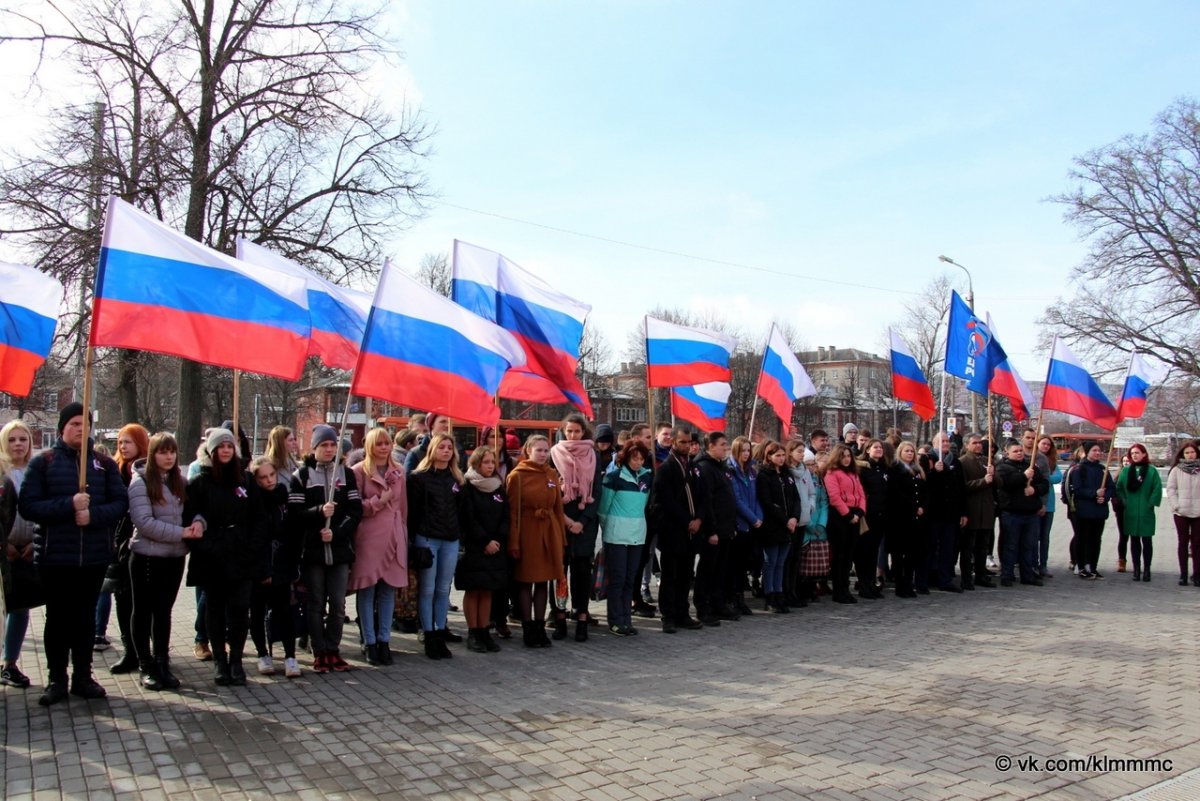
<point x="839" y="148"/>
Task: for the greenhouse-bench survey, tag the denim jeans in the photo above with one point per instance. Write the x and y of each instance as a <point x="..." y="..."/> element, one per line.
<point x="201" y="615"/>
<point x="14" y="635"/>
<point x="376" y="604"/>
<point x="433" y="603"/>
<point x="1044" y="540"/>
<point x="103" y="613"/>
<point x="621" y="577"/>
<point x="326" y="586"/>
<point x="774" y="557"/>
<point x="1020" y="545"/>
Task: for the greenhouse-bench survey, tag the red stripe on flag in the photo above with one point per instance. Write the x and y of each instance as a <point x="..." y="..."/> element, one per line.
<point x="915" y="392"/>
<point x="1062" y="399"/>
<point x="770" y="391"/>
<point x="424" y="388"/>
<point x="687" y="410"/>
<point x="682" y="375"/>
<point x="17" y="368"/>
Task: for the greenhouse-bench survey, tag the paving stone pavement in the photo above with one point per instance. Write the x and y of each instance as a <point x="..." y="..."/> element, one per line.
<point x="894" y="699"/>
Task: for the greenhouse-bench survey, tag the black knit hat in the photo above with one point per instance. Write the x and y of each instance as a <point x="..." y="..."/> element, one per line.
<point x="73" y="409"/>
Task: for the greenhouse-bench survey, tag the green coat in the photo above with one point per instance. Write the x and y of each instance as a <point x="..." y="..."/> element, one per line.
<point x="1140" y="505"/>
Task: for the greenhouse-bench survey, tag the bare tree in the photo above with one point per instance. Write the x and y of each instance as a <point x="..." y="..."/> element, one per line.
<point x="434" y="272"/>
<point x="1136" y="201"/>
<point x="595" y="355"/>
<point x="923" y="328"/>
<point x="267" y="130"/>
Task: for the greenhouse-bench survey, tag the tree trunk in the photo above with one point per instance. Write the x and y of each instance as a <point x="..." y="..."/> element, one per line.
<point x="127" y="391"/>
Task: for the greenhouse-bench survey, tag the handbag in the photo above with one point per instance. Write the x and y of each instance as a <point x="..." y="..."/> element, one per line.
<point x="26" y="590"/>
<point x="599" y="579"/>
<point x="863" y="528"/>
<point x="815" y="559"/>
<point x="419" y="557"/>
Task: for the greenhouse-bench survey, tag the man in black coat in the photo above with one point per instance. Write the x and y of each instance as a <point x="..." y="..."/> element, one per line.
<point x="953" y="542"/>
<point x="717" y="532"/>
<point x="1019" y="491"/>
<point x="677" y="515"/>
<point x="73" y="545"/>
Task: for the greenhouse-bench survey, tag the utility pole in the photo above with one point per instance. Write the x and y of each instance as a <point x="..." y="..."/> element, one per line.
<point x="96" y="188"/>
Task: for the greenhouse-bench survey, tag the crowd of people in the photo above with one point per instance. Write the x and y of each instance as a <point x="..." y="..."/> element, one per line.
<point x="530" y="532"/>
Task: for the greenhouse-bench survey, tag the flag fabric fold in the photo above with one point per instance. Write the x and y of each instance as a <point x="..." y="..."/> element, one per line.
<point x="908" y="382"/>
<point x="677" y="355"/>
<point x="1141" y="376"/>
<point x="783" y="380"/>
<point x="547" y="323"/>
<point x="971" y="351"/>
<point x="337" y="314"/>
<point x="702" y="405"/>
<point x="425" y="351"/>
<point x="1070" y="388"/>
<point x="29" y="303"/>
<point x="157" y="290"/>
<point x="1006" y="381"/>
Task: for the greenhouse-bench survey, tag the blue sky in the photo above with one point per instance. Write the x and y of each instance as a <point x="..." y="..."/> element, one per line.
<point x="843" y="145"/>
<point x="847" y="142"/>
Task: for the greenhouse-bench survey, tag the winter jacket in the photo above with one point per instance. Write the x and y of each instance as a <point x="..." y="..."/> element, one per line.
<point x="281" y="552"/>
<point x="1086" y="480"/>
<point x="583" y="544"/>
<point x="745" y="493"/>
<point x="157" y="527"/>
<point x="716" y="485"/>
<point x="1140" y="504"/>
<point x="381" y="539"/>
<point x="536" y="534"/>
<point x="476" y="569"/>
<point x="908" y="491"/>
<point x="437" y="505"/>
<point x="806" y="488"/>
<point x="307" y="495"/>
<point x="817" y="524"/>
<point x="623" y="499"/>
<point x="1183" y="493"/>
<point x="413" y="459"/>
<point x="21" y="533"/>
<point x="677" y="500"/>
<point x="8" y="513"/>
<point x="780" y="502"/>
<point x="846" y="496"/>
<point x="46" y="500"/>
<point x="1010" y="484"/>
<point x="875" y="479"/>
<point x="979" y="495"/>
<point x="1054" y="477"/>
<point x="235" y="540"/>
<point x="947" y="489"/>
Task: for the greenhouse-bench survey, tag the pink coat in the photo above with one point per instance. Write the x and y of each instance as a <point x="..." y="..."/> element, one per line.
<point x="381" y="542"/>
<point x="845" y="491"/>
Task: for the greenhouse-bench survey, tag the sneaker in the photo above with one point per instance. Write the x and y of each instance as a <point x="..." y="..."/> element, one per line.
<point x="202" y="652"/>
<point x="1096" y="574"/>
<point x="1083" y="573"/>
<point x="55" y="691"/>
<point x="618" y="631"/>
<point x="291" y="668"/>
<point x="101" y="643"/>
<point x="643" y="609"/>
<point x="88" y="688"/>
<point x="11" y="676"/>
<point x="991" y="562"/>
<point x="1047" y="574"/>
<point x="321" y="664"/>
<point x="336" y="662"/>
<point x="631" y="631"/>
<point x="266" y="666"/>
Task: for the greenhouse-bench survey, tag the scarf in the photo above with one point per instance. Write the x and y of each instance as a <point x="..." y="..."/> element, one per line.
<point x="487" y="485"/>
<point x="576" y="463"/>
<point x="1190" y="467"/>
<point x="1137" y="475"/>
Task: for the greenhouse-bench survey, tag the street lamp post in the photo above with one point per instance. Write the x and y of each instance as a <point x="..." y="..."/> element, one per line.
<point x="971" y="306"/>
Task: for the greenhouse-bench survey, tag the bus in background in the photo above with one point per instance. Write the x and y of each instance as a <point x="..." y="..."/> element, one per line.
<point x="1066" y="443"/>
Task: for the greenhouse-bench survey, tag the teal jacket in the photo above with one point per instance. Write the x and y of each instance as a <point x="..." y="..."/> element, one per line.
<point x="623" y="498"/>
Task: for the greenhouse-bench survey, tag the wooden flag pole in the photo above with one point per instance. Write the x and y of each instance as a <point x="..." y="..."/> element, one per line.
<point x="991" y="442"/>
<point x="237" y="395"/>
<point x="649" y="389"/>
<point x="87" y="418"/>
<point x="753" y="412"/>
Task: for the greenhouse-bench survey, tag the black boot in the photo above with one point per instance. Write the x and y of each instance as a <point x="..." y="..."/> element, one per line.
<point x="221" y="676"/>
<point x="384" y="651"/>
<point x="781" y="604"/>
<point x="129" y="660"/>
<point x="490" y="645"/>
<point x="237" y="674"/>
<point x="581" y="628"/>
<point x="1137" y="574"/>
<point x="371" y="654"/>
<point x="560" y="625"/>
<point x="443" y="649"/>
<point x="151" y="680"/>
<point x="739" y="605"/>
<point x="169" y="682"/>
<point x="431" y="645"/>
<point x="475" y="642"/>
<point x="1146" y="574"/>
<point x="539" y="633"/>
<point x="528" y="635"/>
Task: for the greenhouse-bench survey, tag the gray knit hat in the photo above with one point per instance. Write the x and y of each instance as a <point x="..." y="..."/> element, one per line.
<point x="215" y="437"/>
<point x="323" y="433"/>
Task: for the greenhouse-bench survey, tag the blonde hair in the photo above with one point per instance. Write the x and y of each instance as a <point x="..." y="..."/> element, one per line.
<point x="527" y="448"/>
<point x="5" y="457"/>
<point x="373" y="438"/>
<point x="427" y="461"/>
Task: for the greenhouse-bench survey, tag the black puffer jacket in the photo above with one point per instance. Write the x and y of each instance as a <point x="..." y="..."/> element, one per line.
<point x="437" y="505"/>
<point x="46" y="500"/>
<point x="780" y="502"/>
<point x="235" y="538"/>
<point x="305" y="499"/>
<point x="875" y="479"/>
<point x="716" y="480"/>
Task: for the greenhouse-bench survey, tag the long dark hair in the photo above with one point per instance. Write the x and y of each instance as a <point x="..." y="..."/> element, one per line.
<point x="1191" y="443"/>
<point x="163" y="443"/>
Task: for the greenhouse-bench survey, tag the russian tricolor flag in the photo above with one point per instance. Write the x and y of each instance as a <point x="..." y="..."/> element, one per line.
<point x="1142" y="375"/>
<point x="29" y="301"/>
<point x="908" y="382"/>
<point x="1006" y="381"/>
<point x="157" y="290"/>
<point x="677" y="355"/>
<point x="547" y="323"/>
<point x="702" y="405"/>
<point x="1070" y="388"/>
<point x="425" y="351"/>
<point x="783" y="380"/>
<point x="337" y="314"/>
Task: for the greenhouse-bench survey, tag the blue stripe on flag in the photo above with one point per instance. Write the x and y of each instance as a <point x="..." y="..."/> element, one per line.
<point x="438" y="347"/>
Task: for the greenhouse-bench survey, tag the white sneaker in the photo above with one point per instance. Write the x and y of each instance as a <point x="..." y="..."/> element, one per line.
<point x="266" y="666"/>
<point x="291" y="668"/>
<point x="991" y="561"/>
